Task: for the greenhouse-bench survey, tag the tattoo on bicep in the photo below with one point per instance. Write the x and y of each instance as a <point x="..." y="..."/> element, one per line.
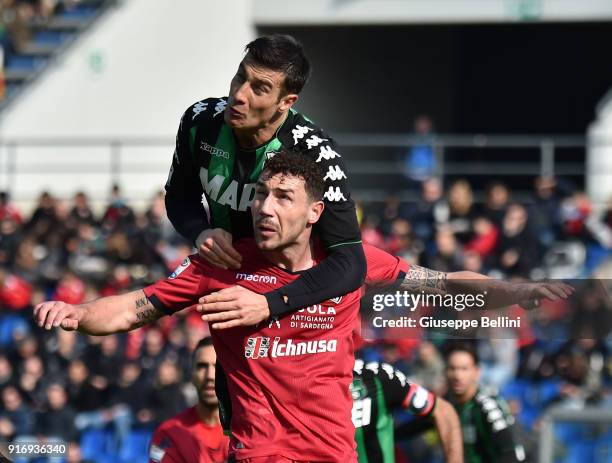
<point x="424" y="279"/>
<point x="145" y="312"/>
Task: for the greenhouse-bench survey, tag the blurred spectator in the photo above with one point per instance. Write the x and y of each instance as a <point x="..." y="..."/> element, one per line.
<point x="420" y="161"/>
<point x="390" y="212"/>
<point x="118" y="215"/>
<point x="31" y="381"/>
<point x="104" y="361"/>
<point x="518" y="251"/>
<point x="402" y="243"/>
<point x="461" y="212"/>
<point x="153" y="353"/>
<point x="498" y="355"/>
<point x="429" y="211"/>
<point x="370" y="233"/>
<point x="166" y="396"/>
<point x="81" y="211"/>
<point x="43" y="217"/>
<point x="132" y="392"/>
<point x="448" y="256"/>
<point x="427" y="367"/>
<point x="545" y="210"/>
<point x="497" y="202"/>
<point x="56" y="420"/>
<point x="485" y="238"/>
<point x="63" y="348"/>
<point x="9" y="241"/>
<point x="83" y="395"/>
<point x="8" y="211"/>
<point x="6" y="371"/>
<point x="16" y="417"/>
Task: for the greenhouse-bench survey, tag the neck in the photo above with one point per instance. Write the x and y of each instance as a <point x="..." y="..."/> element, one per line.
<point x="207" y="414"/>
<point x="467" y="395"/>
<point x="293" y="258"/>
<point x="250" y="138"/>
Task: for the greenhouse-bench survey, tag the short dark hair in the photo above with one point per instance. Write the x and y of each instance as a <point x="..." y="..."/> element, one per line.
<point x="204" y="342"/>
<point x="467" y="347"/>
<point x="280" y="52"/>
<point x="290" y="163"/>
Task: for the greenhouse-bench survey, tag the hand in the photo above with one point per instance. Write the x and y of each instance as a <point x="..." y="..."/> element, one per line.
<point x="233" y="306"/>
<point x="535" y="292"/>
<point x="215" y="246"/>
<point x="55" y="313"/>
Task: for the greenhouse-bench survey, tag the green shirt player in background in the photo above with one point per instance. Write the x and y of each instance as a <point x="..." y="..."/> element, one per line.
<point x="489" y="434"/>
<point x="378" y="390"/>
<point x="221" y="147"/>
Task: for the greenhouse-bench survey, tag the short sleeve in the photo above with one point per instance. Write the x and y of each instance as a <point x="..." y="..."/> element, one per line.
<point x="383" y="268"/>
<point x="182" y="288"/>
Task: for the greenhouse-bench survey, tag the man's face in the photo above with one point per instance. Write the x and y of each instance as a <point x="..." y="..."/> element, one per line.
<point x="462" y="373"/>
<point x="203" y="375"/>
<point x="282" y="211"/>
<point x="256" y="97"/>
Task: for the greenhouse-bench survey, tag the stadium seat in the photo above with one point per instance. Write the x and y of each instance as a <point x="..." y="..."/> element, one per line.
<point x="580" y="452"/>
<point x="96" y="444"/>
<point x="135" y="447"/>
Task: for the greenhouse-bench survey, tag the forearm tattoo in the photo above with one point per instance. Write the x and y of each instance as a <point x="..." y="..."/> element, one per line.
<point x="145" y="312"/>
<point x="424" y="279"/>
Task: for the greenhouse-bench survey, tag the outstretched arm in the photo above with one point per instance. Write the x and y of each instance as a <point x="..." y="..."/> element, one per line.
<point x="498" y="293"/>
<point x="449" y="430"/>
<point x="100" y="317"/>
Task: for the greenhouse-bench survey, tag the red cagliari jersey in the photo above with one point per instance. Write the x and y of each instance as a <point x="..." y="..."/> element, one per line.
<point x="289" y="379"/>
<point x="184" y="438"/>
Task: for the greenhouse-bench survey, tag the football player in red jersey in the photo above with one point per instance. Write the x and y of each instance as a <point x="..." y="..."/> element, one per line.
<point x="195" y="435"/>
<point x="288" y="379"/>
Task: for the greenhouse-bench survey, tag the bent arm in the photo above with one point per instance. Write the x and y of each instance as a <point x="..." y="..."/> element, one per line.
<point x="447" y="424"/>
<point x="341" y="272"/>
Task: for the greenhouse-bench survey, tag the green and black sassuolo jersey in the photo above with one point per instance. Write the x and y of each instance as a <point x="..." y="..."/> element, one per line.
<point x="488" y="430"/>
<point x="377" y="390"/>
<point x="209" y="166"/>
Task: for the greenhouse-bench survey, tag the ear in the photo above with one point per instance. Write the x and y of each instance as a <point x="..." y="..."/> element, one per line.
<point x="314" y="212"/>
<point x="287" y="101"/>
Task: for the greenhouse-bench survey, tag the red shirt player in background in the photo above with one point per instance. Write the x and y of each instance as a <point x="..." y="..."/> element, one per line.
<point x="289" y="378"/>
<point x="195" y="435"/>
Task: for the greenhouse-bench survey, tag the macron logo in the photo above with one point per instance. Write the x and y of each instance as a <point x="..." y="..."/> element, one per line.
<point x="257" y="278"/>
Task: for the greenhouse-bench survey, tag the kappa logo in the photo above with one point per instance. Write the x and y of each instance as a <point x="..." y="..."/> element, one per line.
<point x="299" y="132"/>
<point x="220" y="107"/>
<point x="180" y="269"/>
<point x="327" y="153"/>
<point x="214" y="150"/>
<point x="334" y="194"/>
<point x="198" y="108"/>
<point x="334" y="173"/>
<point x="314" y="141"/>
<point x="274" y="321"/>
<point x="271" y="154"/>
<point x="336" y="300"/>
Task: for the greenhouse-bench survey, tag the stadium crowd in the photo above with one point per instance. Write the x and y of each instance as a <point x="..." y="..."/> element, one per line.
<point x="63" y="384"/>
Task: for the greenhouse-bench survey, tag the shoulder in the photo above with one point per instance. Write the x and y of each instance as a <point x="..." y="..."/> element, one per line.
<point x="494" y="409"/>
<point x="204" y="110"/>
<point x="301" y="134"/>
<point x="178" y="422"/>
